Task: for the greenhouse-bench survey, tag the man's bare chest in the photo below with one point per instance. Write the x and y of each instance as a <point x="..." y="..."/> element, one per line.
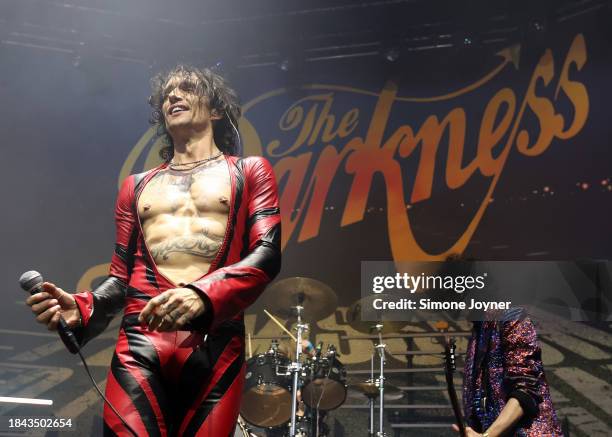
<point x="204" y="191"/>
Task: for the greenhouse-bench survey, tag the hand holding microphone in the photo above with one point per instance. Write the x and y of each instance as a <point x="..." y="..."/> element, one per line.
<point x="59" y="311"/>
<point x="53" y="307"/>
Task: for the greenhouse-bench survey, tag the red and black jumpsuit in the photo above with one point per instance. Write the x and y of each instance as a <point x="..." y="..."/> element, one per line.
<point x="187" y="382"/>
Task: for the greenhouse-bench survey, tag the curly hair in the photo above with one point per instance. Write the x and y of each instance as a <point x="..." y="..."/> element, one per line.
<point x="213" y="90"/>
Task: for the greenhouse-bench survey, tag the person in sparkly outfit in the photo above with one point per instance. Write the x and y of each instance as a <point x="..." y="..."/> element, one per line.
<point x="505" y="390"/>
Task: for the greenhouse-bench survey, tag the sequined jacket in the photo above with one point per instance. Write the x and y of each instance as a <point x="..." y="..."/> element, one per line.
<point x="504" y="360"/>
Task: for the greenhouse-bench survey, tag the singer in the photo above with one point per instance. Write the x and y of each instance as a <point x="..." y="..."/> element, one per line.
<point x="198" y="239"/>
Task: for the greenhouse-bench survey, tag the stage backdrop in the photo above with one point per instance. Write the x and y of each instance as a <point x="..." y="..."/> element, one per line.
<point x="502" y="156"/>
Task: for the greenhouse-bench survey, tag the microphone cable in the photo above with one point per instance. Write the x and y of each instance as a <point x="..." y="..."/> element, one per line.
<point x="129" y="428"/>
<point x="31" y="282"/>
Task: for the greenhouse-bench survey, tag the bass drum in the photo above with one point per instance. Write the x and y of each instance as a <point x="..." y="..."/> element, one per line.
<point x="266" y="398"/>
<point x="325" y="387"/>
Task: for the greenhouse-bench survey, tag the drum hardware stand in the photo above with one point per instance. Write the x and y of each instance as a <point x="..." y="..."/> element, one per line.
<point x="371" y="398"/>
<point x="244" y="428"/>
<point x="296" y="368"/>
<point x="249" y="345"/>
<point x="380" y="347"/>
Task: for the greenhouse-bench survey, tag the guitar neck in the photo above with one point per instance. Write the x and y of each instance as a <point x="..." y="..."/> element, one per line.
<point x="450" y="384"/>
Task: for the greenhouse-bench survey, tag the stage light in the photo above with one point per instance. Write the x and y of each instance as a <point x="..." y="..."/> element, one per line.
<point x="538" y="26"/>
<point x="30" y="401"/>
<point x="285" y="64"/>
<point x="466" y="40"/>
<point x="391" y="54"/>
<point x="77" y="60"/>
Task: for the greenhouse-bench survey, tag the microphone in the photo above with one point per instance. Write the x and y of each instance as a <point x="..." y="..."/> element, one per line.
<point x="31" y="281"/>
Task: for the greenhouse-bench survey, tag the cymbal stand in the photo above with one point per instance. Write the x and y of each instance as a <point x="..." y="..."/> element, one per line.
<point x="371" y="398"/>
<point x="296" y="368"/>
<point x="380" y="347"/>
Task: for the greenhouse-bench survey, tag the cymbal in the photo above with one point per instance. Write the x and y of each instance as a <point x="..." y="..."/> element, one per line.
<point x="353" y="318"/>
<point x="370" y="389"/>
<point x="317" y="298"/>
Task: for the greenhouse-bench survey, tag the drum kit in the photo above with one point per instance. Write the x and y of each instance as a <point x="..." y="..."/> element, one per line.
<point x="290" y="394"/>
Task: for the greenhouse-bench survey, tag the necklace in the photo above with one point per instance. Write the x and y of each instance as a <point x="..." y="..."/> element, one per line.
<point x="194" y="164"/>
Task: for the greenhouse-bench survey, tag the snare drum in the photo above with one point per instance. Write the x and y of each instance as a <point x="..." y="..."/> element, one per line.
<point x="325" y="387"/>
<point x="266" y="397"/>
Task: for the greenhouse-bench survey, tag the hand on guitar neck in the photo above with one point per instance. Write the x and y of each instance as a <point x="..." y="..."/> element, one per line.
<point x="508" y="417"/>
